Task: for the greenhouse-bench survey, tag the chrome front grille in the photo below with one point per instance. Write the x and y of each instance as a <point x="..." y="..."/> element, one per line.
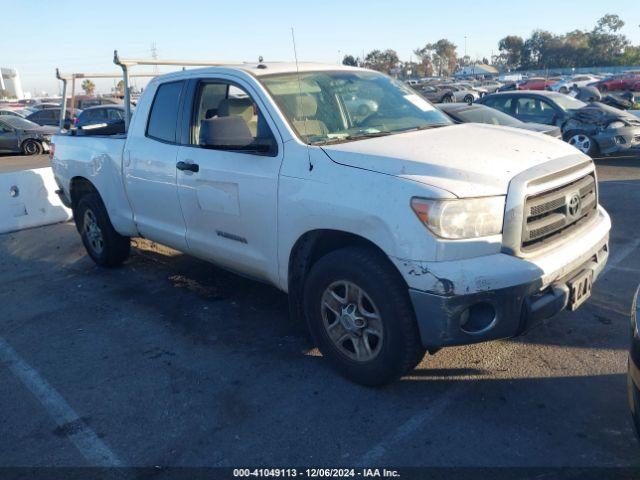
<point x="551" y="213"/>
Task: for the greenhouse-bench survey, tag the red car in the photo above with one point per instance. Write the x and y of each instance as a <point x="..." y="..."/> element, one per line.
<point x="537" y="84"/>
<point x="624" y="81"/>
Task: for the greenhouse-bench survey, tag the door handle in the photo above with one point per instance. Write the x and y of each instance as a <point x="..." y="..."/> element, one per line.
<point x="191" y="167"/>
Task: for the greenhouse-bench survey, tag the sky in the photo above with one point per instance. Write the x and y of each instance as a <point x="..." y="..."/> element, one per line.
<point x="81" y="36"/>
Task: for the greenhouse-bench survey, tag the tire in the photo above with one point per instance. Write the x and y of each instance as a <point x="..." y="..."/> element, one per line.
<point x="582" y="141"/>
<point x="603" y="88"/>
<point x="103" y="244"/>
<point x="32" y="147"/>
<point x="564" y="90"/>
<point x="374" y="340"/>
<point x="468" y="99"/>
<point x="447" y="99"/>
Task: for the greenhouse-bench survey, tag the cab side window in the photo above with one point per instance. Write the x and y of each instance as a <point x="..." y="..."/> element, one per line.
<point x="227" y="118"/>
<point x="163" y="118"/>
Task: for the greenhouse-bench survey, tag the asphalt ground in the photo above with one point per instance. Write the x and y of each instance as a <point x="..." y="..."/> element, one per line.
<point x="170" y="361"/>
<point x="14" y="163"/>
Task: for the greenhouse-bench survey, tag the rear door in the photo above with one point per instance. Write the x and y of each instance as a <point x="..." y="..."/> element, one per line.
<point x="149" y="161"/>
<point x="229" y="200"/>
<point x="533" y="109"/>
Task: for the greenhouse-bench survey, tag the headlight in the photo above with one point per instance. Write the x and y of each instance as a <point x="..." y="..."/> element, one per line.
<point x="614" y="125"/>
<point x="464" y="218"/>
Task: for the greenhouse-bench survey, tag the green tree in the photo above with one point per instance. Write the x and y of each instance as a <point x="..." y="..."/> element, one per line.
<point x="511" y="51"/>
<point x="441" y="54"/>
<point x="350" y="60"/>
<point x="383" y="61"/>
<point x="88" y="86"/>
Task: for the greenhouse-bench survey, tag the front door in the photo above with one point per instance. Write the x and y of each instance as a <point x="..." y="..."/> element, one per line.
<point x="150" y="169"/>
<point x="228" y="192"/>
<point x="8" y="138"/>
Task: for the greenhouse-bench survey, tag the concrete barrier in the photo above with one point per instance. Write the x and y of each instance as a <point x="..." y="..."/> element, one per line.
<point x="28" y="199"/>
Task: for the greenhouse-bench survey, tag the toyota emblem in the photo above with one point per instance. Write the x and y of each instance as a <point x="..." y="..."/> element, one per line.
<point x="575" y="205"/>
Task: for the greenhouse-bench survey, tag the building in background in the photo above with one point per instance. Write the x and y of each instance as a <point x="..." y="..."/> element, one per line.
<point x="10" y="84"/>
<point x="477" y="70"/>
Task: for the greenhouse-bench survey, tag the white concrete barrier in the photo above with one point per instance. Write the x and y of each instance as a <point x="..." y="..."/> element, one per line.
<point x="28" y="199"/>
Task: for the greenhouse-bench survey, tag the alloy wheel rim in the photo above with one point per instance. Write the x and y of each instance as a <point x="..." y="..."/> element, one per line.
<point x="352" y="321"/>
<point x="30" y="148"/>
<point x="581" y="142"/>
<point x="92" y="232"/>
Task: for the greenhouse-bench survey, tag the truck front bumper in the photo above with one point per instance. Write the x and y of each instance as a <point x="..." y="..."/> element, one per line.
<point x="501" y="296"/>
<point x="490" y="315"/>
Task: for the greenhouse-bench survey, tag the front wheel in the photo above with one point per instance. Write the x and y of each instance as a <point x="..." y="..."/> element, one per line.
<point x="103" y="244"/>
<point x="32" y="147"/>
<point x="360" y="316"/>
<point x="582" y="141"/>
<point x="469" y="99"/>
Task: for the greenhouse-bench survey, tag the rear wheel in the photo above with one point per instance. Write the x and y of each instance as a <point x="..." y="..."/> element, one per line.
<point x="103" y="244"/>
<point x="32" y="147"/>
<point x="447" y="99"/>
<point x="360" y="316"/>
<point x="469" y="99"/>
<point x="582" y="141"/>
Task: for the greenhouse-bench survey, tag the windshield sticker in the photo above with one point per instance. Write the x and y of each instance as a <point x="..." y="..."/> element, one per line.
<point x="420" y="102"/>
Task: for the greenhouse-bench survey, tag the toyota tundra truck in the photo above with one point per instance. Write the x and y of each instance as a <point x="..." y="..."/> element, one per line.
<point x="393" y="231"/>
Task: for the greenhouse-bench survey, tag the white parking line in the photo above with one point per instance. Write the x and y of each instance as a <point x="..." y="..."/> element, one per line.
<point x="86" y="441"/>
<point x="412" y="425"/>
<point x="618" y="256"/>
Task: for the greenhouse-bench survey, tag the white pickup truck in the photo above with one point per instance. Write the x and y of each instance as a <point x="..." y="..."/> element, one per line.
<point x="393" y="231"/>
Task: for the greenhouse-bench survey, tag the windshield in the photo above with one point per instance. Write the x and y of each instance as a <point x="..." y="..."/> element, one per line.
<point x="18" y="122"/>
<point x="565" y="102"/>
<point x="482" y="114"/>
<point x="326" y="107"/>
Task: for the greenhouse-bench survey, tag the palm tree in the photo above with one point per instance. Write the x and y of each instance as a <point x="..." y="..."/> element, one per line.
<point x="88" y="86"/>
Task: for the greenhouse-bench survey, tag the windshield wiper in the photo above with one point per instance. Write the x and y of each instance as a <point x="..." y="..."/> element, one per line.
<point x="358" y="136"/>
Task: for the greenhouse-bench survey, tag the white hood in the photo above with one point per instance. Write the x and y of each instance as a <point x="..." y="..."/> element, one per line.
<point x="467" y="160"/>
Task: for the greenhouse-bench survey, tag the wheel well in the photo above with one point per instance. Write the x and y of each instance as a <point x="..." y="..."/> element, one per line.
<point x="80" y="187"/>
<point x="308" y="249"/>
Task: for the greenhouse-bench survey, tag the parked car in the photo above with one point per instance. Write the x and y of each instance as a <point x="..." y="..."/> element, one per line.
<point x="564" y="86"/>
<point x="51" y="116"/>
<point x="101" y="120"/>
<point x="624" y="81"/>
<point x="20" y="135"/>
<point x="44" y="106"/>
<point x="591" y="127"/>
<point x="461" y="94"/>
<point x="393" y="235"/>
<point x="508" y="87"/>
<point x="437" y="94"/>
<point x="476" y="113"/>
<point x="536" y="83"/>
<point x="490" y="86"/>
<point x="633" y="375"/>
<point x="12" y="112"/>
